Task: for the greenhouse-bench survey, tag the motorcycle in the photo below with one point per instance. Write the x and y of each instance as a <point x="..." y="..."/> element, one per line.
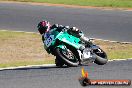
<point x="70" y="50"/>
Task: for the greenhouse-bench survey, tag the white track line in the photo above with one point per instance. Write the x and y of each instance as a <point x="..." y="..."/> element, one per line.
<point x="20" y="31"/>
<point x="90" y="38"/>
<point x="28" y="66"/>
<point x="47" y="65"/>
<point x="112" y="41"/>
<point x="120" y="59"/>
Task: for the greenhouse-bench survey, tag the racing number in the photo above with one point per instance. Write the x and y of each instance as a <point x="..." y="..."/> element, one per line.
<point x="49" y="40"/>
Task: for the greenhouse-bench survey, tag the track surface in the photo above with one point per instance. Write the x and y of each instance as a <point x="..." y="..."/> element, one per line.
<point x="52" y="77"/>
<point x="111" y="25"/>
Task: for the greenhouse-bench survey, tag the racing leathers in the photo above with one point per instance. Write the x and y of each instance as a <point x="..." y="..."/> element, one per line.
<point x="73" y="31"/>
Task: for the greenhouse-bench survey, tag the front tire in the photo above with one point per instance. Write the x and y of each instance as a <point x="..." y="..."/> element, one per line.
<point x="67" y="56"/>
<point x="101" y="57"/>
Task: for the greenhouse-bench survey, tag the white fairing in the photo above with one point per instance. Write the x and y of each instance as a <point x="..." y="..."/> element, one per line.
<point x="80" y="54"/>
<point x="87" y="54"/>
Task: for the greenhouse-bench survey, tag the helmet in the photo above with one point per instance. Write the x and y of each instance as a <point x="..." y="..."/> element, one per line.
<point x="43" y="27"/>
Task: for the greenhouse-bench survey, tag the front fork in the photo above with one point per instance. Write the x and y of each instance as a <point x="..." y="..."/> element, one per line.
<point x="86" y="56"/>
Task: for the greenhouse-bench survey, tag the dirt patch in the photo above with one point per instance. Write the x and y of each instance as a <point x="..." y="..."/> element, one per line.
<point x="116" y="50"/>
<point x="22" y="47"/>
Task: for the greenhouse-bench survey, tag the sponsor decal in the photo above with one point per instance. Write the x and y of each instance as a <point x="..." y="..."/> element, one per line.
<point x="86" y="81"/>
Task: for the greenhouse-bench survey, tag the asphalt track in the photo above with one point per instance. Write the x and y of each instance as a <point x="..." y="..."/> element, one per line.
<point x="113" y="25"/>
<point x="53" y="77"/>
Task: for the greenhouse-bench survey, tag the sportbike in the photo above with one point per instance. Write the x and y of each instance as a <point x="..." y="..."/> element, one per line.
<point x="71" y="51"/>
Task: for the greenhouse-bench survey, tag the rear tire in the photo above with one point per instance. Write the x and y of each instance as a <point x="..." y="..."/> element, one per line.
<point x="59" y="62"/>
<point x="65" y="58"/>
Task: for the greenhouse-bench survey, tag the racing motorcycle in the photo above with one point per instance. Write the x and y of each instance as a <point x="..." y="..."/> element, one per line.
<point x="70" y="50"/>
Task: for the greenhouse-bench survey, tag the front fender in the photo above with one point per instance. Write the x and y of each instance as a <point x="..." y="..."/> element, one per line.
<point x="94" y="47"/>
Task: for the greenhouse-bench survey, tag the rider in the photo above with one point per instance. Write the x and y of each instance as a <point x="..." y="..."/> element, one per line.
<point x="45" y="27"/>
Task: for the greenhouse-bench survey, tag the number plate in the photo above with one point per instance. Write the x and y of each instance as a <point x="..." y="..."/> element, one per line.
<point x="49" y="40"/>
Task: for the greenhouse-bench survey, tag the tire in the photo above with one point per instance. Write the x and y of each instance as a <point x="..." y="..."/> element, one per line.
<point x="59" y="62"/>
<point x="65" y="59"/>
<point x="101" y="57"/>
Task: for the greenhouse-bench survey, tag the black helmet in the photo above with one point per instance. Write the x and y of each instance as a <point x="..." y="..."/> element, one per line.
<point x="43" y="26"/>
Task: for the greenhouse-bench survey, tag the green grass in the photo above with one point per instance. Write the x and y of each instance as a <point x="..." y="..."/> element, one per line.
<point x="25" y="63"/>
<point x="98" y="3"/>
<point x="21" y="49"/>
<point x="116" y="50"/>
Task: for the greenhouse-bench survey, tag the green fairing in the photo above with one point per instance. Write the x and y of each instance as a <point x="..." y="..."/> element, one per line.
<point x="63" y="37"/>
<point x="69" y="39"/>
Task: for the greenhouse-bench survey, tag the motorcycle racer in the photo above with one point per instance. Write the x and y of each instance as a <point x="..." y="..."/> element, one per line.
<point x="44" y="28"/>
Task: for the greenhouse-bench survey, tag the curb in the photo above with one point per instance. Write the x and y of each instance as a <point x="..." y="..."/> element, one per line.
<point x="47" y="65"/>
<point x="21" y="31"/>
<point x="120" y="59"/>
<point x="28" y="66"/>
<point x="112" y="41"/>
<point x="90" y="38"/>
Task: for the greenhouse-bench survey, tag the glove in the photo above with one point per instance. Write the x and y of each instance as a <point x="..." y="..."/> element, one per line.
<point x="75" y="30"/>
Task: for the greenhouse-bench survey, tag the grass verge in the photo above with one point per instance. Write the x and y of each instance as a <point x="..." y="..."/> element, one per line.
<point x="21" y="49"/>
<point x="98" y="3"/>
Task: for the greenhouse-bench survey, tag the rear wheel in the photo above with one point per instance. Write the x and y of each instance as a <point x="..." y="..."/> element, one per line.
<point x="59" y="62"/>
<point x="67" y="56"/>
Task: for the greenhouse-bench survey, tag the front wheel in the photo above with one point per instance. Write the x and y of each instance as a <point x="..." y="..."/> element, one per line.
<point x="101" y="57"/>
<point x="67" y="56"/>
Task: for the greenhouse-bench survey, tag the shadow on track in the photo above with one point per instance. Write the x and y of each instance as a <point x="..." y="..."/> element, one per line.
<point x="38" y="67"/>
